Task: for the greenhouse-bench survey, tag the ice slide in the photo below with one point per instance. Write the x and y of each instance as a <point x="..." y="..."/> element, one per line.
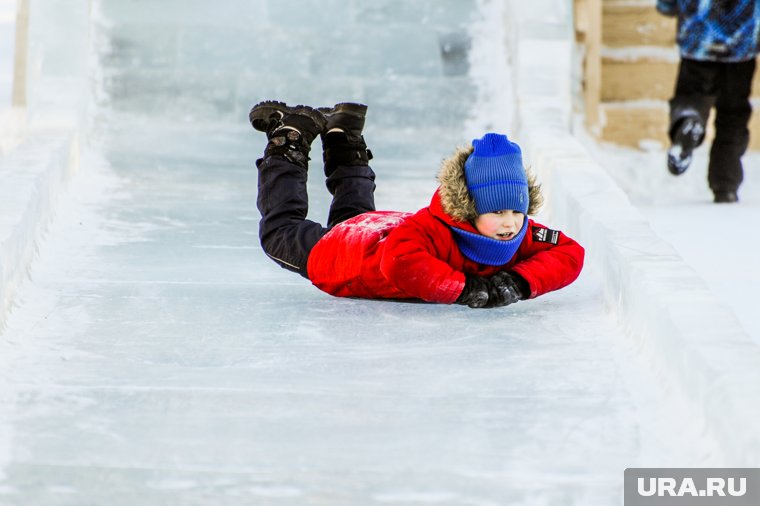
<point x="155" y="355"/>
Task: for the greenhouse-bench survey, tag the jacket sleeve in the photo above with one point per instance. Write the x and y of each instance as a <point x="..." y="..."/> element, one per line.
<point x="667" y="7"/>
<point x="412" y="263"/>
<point x="547" y="266"/>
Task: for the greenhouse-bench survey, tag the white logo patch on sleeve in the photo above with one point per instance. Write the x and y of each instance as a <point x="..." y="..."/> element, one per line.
<point x="546" y="235"/>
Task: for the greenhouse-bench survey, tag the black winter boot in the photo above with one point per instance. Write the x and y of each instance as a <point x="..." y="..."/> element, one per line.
<point x="345" y="146"/>
<point x="346" y="116"/>
<point x="687" y="135"/>
<point x="290" y="129"/>
<point x="725" y="197"/>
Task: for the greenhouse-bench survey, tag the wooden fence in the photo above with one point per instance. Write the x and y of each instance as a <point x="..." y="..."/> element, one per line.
<point x="629" y="71"/>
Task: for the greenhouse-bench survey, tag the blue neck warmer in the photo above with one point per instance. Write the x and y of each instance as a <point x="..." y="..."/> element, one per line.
<point x="484" y="250"/>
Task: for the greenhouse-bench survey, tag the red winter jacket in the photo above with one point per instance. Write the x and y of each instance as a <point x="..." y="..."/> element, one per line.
<point x="395" y="255"/>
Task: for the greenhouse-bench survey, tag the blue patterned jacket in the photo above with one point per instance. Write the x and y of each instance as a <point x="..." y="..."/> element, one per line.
<point x="715" y="30"/>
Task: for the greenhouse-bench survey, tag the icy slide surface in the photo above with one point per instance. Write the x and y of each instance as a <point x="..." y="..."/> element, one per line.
<point x="156" y="356"/>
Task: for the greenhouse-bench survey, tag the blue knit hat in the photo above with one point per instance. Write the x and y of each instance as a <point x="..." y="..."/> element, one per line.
<point x="495" y="175"/>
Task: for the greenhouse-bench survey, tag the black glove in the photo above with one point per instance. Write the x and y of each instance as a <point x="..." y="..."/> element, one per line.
<point x="475" y="293"/>
<point x="501" y="289"/>
<point x="508" y="288"/>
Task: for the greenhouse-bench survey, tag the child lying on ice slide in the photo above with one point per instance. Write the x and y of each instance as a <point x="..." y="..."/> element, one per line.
<point x="473" y="245"/>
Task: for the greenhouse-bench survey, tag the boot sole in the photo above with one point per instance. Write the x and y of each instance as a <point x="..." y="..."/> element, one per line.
<point x="725" y="197"/>
<point x="261" y="114"/>
<point x="677" y="164"/>
<point x="686" y="139"/>
<point x="351" y="108"/>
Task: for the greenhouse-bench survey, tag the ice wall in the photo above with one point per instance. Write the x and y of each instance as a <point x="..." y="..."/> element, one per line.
<point x="194" y="61"/>
<point x="59" y="58"/>
<point x="46" y="134"/>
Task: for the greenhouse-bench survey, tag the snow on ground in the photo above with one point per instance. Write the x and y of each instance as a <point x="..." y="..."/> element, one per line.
<point x="720" y="242"/>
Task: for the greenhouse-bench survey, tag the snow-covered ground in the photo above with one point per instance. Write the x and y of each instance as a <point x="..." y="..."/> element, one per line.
<point x="156" y="356"/>
<point x="717" y="241"/>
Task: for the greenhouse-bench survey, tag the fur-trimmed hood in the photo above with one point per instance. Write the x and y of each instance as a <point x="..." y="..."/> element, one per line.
<point x="455" y="198"/>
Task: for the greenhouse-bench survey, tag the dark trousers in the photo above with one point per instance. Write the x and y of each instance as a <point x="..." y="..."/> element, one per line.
<point x="702" y="85"/>
<point x="286" y="235"/>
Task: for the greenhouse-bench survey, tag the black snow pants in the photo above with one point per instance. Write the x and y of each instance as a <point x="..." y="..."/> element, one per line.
<point x="726" y="86"/>
<point x="287" y="237"/>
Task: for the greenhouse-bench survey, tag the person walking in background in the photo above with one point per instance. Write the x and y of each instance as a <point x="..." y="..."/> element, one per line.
<point x="718" y="43"/>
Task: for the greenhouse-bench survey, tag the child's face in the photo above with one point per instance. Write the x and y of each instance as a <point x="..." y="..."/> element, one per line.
<point x="500" y="225"/>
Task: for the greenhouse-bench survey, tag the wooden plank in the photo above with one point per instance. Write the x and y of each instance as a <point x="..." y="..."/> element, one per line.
<point x="580" y="11"/>
<point x="625" y="24"/>
<point x="637" y="79"/>
<point x="754" y="130"/>
<point x="18" y="94"/>
<point x="592" y="64"/>
<point x="628" y="125"/>
<point x="645" y="78"/>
